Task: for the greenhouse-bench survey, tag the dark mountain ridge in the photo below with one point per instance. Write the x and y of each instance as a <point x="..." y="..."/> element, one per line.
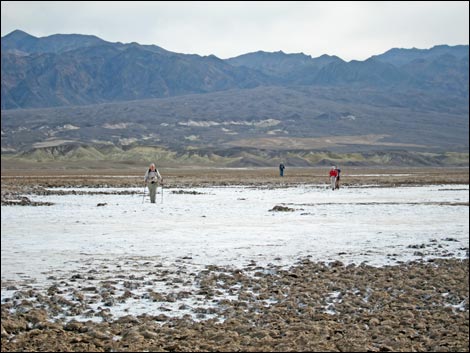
<point x="72" y="69"/>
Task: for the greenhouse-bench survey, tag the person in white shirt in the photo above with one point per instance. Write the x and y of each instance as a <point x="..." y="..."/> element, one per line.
<point x="152" y="178"/>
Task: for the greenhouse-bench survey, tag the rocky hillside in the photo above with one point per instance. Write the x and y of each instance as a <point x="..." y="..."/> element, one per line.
<point x="63" y="70"/>
<point x="71" y="91"/>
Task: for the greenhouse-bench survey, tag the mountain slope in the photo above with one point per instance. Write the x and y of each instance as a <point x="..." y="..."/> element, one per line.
<point x="353" y="120"/>
<point x="107" y="73"/>
<point x="74" y="96"/>
<point x="64" y="70"/>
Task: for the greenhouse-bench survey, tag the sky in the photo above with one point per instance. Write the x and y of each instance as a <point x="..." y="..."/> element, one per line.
<point x="351" y="30"/>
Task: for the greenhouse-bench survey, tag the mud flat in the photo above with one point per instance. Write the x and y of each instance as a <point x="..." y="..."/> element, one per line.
<point x="265" y="177"/>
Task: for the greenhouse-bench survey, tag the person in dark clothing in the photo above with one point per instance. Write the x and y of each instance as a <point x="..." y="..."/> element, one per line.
<point x="337" y="178"/>
<point x="281" y="169"/>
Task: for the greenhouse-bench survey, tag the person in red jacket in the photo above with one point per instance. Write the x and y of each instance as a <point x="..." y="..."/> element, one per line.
<point x="333" y="176"/>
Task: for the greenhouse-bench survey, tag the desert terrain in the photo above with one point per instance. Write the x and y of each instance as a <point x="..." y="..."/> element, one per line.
<point x="219" y="274"/>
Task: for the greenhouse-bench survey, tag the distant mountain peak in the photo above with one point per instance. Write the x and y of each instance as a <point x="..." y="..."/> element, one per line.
<point x="326" y="57"/>
<point x="18" y="34"/>
<point x="21" y="42"/>
<point x="403" y="56"/>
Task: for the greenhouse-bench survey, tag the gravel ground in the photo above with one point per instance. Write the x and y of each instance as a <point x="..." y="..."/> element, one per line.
<point x="419" y="306"/>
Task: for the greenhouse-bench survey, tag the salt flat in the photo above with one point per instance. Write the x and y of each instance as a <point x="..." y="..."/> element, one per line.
<point x="164" y="247"/>
<point x="234" y="225"/>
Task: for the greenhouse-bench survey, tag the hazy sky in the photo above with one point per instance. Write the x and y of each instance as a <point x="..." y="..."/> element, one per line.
<point x="350" y="30"/>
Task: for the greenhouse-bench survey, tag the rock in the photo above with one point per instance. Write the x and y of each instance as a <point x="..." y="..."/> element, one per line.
<point x="391" y="308"/>
<point x="281" y="209"/>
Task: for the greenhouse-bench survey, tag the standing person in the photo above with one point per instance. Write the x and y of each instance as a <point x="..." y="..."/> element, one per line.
<point x="281" y="169"/>
<point x="152" y="178"/>
<point x="333" y="175"/>
<point x="337" y="178"/>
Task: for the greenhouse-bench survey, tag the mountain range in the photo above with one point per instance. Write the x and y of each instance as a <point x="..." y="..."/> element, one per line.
<point x="81" y="90"/>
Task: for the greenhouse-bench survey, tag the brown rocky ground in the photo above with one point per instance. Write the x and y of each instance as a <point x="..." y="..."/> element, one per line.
<point x="308" y="307"/>
<point x="220" y="177"/>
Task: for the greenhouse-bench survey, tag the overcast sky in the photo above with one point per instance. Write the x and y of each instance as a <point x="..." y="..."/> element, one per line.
<point x="350" y="30"/>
